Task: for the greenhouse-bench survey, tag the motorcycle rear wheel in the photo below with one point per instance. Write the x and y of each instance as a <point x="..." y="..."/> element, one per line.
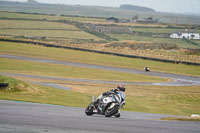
<point x="111" y="111"/>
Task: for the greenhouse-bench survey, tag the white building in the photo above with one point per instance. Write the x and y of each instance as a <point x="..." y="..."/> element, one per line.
<point x="185" y="35"/>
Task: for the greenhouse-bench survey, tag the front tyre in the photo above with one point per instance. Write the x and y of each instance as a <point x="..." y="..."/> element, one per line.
<point x="89" y="110"/>
<point x="118" y="114"/>
<point x="111" y="110"/>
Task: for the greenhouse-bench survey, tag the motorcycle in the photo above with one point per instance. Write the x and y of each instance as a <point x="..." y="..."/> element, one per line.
<point x="147" y="69"/>
<point x="108" y="105"/>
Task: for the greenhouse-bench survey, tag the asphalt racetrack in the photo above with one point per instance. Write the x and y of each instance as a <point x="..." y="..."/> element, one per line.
<point x="23" y="117"/>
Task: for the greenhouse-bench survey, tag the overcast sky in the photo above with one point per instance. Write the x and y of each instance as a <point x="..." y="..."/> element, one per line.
<point x="176" y="6"/>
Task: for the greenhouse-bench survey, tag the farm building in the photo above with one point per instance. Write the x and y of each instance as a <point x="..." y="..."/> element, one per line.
<point x="187" y="35"/>
<point x="148" y="20"/>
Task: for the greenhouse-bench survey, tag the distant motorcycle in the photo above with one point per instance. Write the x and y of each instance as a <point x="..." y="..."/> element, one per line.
<point x="108" y="105"/>
<point x="147" y="69"/>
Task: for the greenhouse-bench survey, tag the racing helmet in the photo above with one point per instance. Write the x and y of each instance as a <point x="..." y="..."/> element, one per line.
<point x="121" y="87"/>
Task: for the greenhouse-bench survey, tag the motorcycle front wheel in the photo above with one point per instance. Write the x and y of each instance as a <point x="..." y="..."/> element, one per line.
<point x="111" y="110"/>
<point x="89" y="110"/>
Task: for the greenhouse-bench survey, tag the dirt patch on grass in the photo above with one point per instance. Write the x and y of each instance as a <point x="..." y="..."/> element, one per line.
<point x="21" y="87"/>
<point x="182" y="118"/>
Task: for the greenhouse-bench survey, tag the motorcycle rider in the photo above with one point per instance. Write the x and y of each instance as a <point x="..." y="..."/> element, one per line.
<point x="146" y="68"/>
<point x="119" y="90"/>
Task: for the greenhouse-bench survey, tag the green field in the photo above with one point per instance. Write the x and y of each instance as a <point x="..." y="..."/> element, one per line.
<point x="56" y="34"/>
<point x="38" y="29"/>
<point x="93" y="58"/>
<point x="179" y="42"/>
<point x="11" y="15"/>
<point x="37" y="25"/>
<point x="45" y="69"/>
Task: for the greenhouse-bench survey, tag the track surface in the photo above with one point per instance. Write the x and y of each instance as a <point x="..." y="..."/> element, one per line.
<point x="178" y="80"/>
<point x="21" y="117"/>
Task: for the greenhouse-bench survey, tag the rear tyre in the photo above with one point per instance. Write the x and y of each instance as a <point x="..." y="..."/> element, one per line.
<point x="111" y="111"/>
<point x="89" y="110"/>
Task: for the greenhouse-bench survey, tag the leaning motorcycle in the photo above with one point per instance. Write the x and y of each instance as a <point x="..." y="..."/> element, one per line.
<point x="108" y="105"/>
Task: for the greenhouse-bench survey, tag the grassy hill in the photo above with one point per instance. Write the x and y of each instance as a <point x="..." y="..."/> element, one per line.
<point x="149" y="40"/>
<point x="96" y="11"/>
<point x="136" y="8"/>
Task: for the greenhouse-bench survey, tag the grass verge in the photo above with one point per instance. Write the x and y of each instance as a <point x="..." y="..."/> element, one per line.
<point x="182" y="118"/>
<point x="150" y="99"/>
<point x="41" y="94"/>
